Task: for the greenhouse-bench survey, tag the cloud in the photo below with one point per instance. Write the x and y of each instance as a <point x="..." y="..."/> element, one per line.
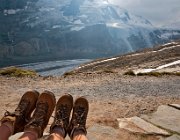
<point x="159" y="12"/>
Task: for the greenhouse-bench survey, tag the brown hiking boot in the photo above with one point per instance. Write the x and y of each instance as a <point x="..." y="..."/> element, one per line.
<point x="62" y="114"/>
<point x="23" y="111"/>
<point x="44" y="108"/>
<point x="79" y="116"/>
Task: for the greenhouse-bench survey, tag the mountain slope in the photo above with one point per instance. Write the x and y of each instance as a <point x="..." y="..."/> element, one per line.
<point x="40" y="30"/>
<point x="159" y="57"/>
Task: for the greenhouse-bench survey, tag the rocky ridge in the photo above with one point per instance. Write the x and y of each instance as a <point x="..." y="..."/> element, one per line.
<point x="155" y="59"/>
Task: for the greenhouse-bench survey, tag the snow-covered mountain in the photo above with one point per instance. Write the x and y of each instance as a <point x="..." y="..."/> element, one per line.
<point x="39" y="30"/>
<point x="74" y="14"/>
<point x="174" y="25"/>
<point x="81" y="13"/>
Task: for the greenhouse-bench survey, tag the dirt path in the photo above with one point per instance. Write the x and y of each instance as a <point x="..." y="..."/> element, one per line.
<point x="110" y="95"/>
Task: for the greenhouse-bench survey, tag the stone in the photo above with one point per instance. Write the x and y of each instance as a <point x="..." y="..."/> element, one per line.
<point x="99" y="132"/>
<point x="173" y="137"/>
<point x="138" y="125"/>
<point x="165" y="117"/>
<point x="177" y="106"/>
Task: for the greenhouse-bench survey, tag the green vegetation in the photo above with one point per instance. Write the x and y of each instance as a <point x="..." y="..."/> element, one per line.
<point x="106" y="70"/>
<point x="130" y="72"/>
<point x="17" y="72"/>
<point x="156" y="74"/>
<point x="68" y="73"/>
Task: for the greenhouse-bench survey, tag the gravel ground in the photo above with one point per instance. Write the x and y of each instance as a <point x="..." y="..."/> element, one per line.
<point x="110" y="95"/>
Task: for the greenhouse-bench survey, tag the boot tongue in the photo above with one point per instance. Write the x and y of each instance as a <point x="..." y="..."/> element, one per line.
<point x="21" y="107"/>
<point x="40" y="116"/>
<point x="42" y="109"/>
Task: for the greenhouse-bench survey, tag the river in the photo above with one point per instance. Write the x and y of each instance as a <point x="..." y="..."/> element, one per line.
<point x="54" y="68"/>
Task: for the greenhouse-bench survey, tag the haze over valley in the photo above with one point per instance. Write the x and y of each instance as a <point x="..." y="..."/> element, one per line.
<point x="42" y="30"/>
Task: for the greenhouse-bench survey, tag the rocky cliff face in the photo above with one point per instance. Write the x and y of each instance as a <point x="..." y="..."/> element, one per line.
<point x="40" y="30"/>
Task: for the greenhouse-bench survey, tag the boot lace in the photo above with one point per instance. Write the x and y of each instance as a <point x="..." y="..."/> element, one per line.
<point x="22" y="107"/>
<point x="80" y="116"/>
<point x="40" y="114"/>
<point x="62" y="115"/>
<point x="20" y="110"/>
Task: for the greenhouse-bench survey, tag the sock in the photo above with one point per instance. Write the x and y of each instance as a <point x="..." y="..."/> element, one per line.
<point x="78" y="132"/>
<point x="59" y="131"/>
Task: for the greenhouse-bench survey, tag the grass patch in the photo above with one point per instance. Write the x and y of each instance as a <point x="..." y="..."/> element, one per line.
<point x="17" y="72"/>
<point x="156" y="74"/>
<point x="130" y="72"/>
<point x="105" y="70"/>
<point x="69" y="73"/>
<point x="108" y="71"/>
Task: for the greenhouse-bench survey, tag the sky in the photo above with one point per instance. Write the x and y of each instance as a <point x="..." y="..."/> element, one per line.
<point x="159" y="12"/>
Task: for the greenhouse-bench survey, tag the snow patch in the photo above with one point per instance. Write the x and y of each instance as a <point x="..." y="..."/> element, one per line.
<point x="43" y="9"/>
<point x="143" y="71"/>
<point x="83" y="16"/>
<point x="168" y="65"/>
<point x="171" y="43"/>
<point x="77" y="28"/>
<point x="56" y="26"/>
<point x="158" y="68"/>
<point x="11" y="11"/>
<point x="114" y="25"/>
<point x="167" y="48"/>
<point x="98" y="62"/>
<point x="137" y="54"/>
<point x="78" y="22"/>
<point x="168" y="35"/>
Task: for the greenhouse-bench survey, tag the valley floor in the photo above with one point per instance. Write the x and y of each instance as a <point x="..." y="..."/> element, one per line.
<point x="111" y="96"/>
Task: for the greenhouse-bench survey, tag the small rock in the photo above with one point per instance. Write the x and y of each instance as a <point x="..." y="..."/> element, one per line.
<point x="165" y="117"/>
<point x="173" y="137"/>
<point x="177" y="106"/>
<point x="99" y="132"/>
<point x="138" y="125"/>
